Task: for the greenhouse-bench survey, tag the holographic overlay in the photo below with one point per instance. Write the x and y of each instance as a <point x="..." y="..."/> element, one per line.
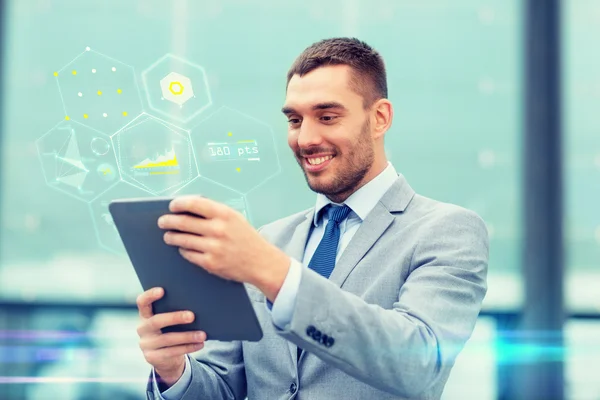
<point x="235" y="150"/>
<point x="77" y="160"/>
<point x="155" y="155"/>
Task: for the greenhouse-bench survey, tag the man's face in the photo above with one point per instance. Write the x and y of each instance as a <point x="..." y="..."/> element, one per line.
<point x="329" y="131"/>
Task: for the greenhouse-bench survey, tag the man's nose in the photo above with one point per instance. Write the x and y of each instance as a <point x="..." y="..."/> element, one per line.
<point x="309" y="135"/>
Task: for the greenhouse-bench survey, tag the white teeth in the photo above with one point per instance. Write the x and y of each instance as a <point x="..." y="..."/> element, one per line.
<point x="318" y="160"/>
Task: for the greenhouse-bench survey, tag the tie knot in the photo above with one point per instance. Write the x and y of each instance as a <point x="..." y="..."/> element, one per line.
<point x="338" y="213"/>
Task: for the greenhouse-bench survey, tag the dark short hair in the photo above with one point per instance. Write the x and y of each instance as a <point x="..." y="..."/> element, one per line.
<point x="369" y="77"/>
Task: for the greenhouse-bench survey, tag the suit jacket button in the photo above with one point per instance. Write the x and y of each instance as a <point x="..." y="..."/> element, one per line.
<point x="293" y="388"/>
<point x="310" y="330"/>
<point x="324" y="339"/>
<point x="330" y="342"/>
<point x="316" y="335"/>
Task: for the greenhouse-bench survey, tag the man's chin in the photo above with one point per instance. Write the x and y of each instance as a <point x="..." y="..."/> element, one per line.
<point x="321" y="187"/>
<point x="319" y="183"/>
<point x="317" y="187"/>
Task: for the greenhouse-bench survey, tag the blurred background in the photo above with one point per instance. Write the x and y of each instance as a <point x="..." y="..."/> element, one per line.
<point x="86" y="84"/>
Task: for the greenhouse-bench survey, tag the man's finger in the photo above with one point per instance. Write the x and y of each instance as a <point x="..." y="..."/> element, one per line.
<point x="159" y="321"/>
<point x="198" y="205"/>
<point x="186" y="240"/>
<point x="197" y="258"/>
<point x="186" y="223"/>
<point x="172" y="339"/>
<point x="145" y="300"/>
<point x="156" y="356"/>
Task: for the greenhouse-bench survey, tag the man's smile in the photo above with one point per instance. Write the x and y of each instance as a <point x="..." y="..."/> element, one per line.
<point x="318" y="163"/>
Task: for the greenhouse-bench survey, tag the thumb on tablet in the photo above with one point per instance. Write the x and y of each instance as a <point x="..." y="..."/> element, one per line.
<point x="145" y="300"/>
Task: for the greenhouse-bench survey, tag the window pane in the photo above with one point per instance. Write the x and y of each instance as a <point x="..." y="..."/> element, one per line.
<point x="583" y="352"/>
<point x="582" y="155"/>
<point x="455" y="134"/>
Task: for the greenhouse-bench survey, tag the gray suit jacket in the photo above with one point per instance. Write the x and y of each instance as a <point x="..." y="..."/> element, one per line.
<point x="388" y="324"/>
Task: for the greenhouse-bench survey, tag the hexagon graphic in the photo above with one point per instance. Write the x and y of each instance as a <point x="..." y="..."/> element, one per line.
<point x="154" y="155"/>
<point x="235" y="149"/>
<point x="99" y="91"/>
<point x="106" y="232"/>
<point x="78" y="160"/>
<point x="216" y="191"/>
<point x="176" y="88"/>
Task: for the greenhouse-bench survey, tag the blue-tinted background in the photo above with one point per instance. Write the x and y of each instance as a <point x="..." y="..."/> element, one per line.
<point x="454" y="76"/>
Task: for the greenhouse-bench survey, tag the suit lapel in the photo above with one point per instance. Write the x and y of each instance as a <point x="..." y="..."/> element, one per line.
<point x="365" y="237"/>
<point x="396" y="199"/>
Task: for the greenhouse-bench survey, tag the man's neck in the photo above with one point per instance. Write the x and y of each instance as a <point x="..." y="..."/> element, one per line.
<point x="373" y="172"/>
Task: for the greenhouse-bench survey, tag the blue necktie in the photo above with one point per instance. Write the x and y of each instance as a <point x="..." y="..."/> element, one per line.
<point x="323" y="260"/>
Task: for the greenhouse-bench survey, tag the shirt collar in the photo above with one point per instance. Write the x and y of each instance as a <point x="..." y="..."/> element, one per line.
<point x="364" y="199"/>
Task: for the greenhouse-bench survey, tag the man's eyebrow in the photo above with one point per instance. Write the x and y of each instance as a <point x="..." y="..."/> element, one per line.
<point x="328" y="105"/>
<point x="316" y="107"/>
<point x="288" y="110"/>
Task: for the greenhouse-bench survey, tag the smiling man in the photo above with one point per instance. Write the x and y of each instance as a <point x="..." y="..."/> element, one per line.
<point x="371" y="293"/>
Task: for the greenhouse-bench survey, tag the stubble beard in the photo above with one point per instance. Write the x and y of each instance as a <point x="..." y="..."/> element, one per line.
<point x="351" y="170"/>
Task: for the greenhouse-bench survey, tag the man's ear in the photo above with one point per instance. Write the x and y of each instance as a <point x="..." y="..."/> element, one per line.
<point x="383" y="113"/>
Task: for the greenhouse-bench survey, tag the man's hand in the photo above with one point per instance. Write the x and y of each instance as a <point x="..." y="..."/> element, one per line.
<point x="165" y="351"/>
<point x="221" y="241"/>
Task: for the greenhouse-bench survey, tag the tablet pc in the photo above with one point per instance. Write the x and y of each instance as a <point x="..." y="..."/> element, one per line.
<point x="222" y="308"/>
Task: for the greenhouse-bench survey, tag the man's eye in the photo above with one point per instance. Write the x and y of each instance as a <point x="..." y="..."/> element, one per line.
<point x="294" y="120"/>
<point x="328" y="118"/>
